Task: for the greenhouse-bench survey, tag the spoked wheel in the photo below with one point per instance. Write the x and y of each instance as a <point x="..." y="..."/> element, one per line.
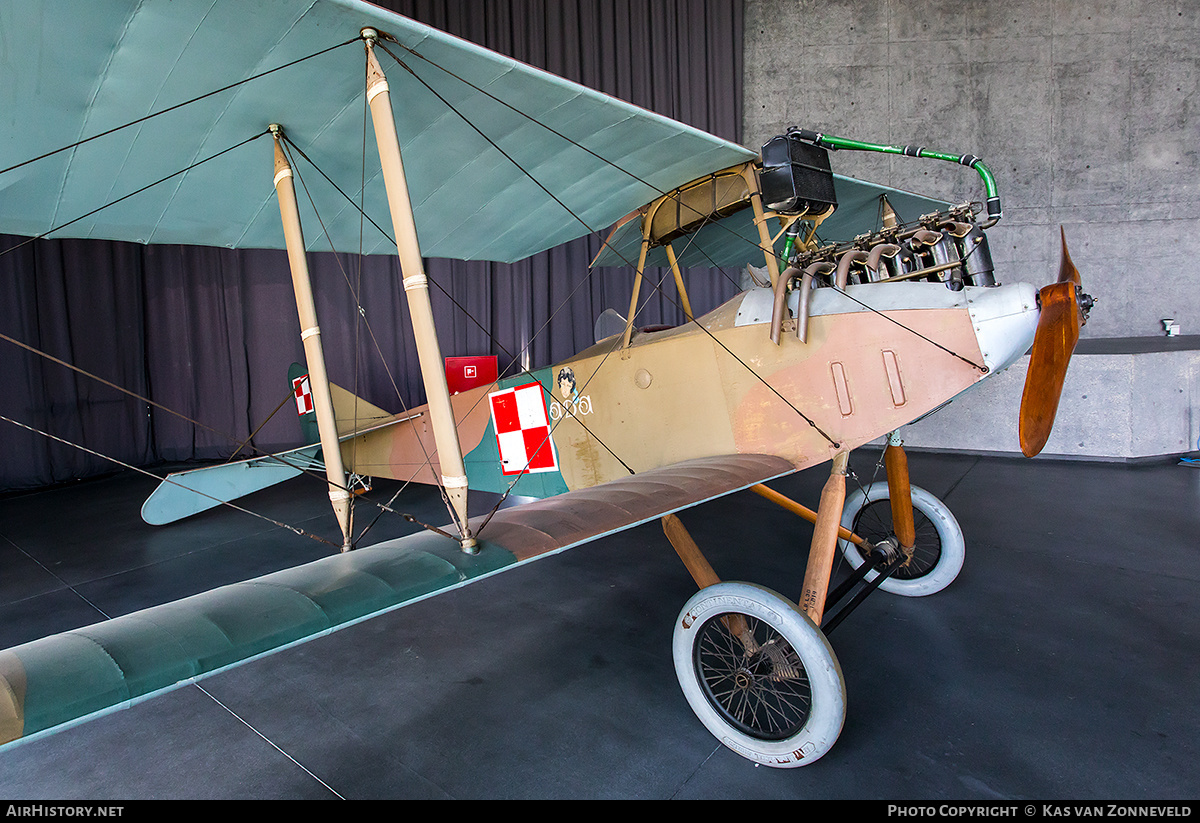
<point x="937" y="555"/>
<point x="759" y="675"/>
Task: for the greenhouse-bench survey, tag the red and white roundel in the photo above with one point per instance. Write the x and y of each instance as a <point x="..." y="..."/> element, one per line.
<point x="522" y="426"/>
<point x="303" y="393"/>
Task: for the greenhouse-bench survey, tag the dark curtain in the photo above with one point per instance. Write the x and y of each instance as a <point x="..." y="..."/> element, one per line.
<point x="209" y="333"/>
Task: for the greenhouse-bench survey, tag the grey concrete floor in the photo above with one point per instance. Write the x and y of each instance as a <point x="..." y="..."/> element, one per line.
<point x="1061" y="664"/>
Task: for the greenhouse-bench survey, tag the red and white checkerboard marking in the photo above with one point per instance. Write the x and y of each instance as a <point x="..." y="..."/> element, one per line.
<point x="522" y="426"/>
<point x="303" y="392"/>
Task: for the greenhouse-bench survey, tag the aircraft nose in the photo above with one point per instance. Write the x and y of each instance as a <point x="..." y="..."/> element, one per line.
<point x="1005" y="320"/>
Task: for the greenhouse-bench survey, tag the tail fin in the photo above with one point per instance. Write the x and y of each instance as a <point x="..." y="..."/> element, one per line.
<point x="302" y="391"/>
<point x="352" y="413"/>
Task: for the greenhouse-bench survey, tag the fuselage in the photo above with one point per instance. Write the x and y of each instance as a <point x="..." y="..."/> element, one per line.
<point x="877" y="356"/>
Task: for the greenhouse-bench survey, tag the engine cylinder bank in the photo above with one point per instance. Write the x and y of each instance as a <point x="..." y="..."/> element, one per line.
<point x="948" y="247"/>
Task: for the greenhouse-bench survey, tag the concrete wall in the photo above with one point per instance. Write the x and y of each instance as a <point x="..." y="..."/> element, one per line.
<point x="1122" y="405"/>
<point x="1087" y="112"/>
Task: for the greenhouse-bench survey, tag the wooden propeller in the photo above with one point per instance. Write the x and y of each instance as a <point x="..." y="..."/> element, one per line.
<point x="1064" y="309"/>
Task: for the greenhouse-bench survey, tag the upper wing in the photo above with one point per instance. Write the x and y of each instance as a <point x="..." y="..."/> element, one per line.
<point x="75" y="69"/>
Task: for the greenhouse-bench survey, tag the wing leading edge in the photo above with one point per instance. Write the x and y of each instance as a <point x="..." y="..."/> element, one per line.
<point x="87" y="672"/>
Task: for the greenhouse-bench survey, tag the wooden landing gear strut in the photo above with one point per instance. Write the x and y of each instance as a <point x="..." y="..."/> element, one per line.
<point x="881" y="555"/>
<point x="756" y="668"/>
<point x="895" y="462"/>
<point x="824" y="541"/>
<point x="908" y="521"/>
<point x="826" y="533"/>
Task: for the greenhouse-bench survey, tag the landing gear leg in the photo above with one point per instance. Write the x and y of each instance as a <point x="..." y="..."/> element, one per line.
<point x="925" y="532"/>
<point x="895" y="461"/>
<point x="697" y="565"/>
<point x="754" y="667"/>
<point x="824" y="541"/>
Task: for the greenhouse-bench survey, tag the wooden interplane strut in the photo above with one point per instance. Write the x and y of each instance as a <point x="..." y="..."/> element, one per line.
<point x="310" y="333"/>
<point x="416" y="291"/>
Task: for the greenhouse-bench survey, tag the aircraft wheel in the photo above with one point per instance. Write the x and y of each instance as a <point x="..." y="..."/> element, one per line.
<point x="759" y="675"/>
<point x="937" y="554"/>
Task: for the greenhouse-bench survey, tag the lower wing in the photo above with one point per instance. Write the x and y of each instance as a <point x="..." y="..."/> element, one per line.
<point x="62" y="679"/>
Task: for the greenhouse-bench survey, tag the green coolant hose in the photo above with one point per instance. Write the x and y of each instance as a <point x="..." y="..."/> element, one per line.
<point x="970" y="160"/>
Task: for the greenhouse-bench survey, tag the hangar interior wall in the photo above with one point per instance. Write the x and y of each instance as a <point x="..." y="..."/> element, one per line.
<point x="1087" y="111"/>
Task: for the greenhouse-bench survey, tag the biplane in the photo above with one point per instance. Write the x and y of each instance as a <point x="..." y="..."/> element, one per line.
<point x="872" y="308"/>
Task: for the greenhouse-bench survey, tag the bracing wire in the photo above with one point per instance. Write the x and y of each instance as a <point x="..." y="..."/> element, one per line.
<point x="138" y="191"/>
<point x="276" y="457"/>
<point x="160" y="112"/>
<point x="123" y="464"/>
<point x="514" y="359"/>
<point x="657" y="287"/>
<point x="356" y="292"/>
<point x="583" y="223"/>
<point x="575" y="144"/>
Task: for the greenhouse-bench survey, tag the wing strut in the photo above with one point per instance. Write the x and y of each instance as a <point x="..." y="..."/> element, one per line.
<point x="416" y="291"/>
<point x="310" y="333"/>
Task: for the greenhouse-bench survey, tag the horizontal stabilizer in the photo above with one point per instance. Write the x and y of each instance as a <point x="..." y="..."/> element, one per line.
<point x="355" y="415"/>
<point x="182" y="494"/>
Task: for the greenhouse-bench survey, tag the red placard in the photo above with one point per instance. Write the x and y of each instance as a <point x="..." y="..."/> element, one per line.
<point x="464" y="373"/>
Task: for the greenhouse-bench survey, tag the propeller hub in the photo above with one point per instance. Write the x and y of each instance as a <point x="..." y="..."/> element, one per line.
<point x="1085" y="301"/>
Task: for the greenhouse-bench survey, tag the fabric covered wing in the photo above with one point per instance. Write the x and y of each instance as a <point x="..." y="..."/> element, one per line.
<point x="79" y="68"/>
<point x="566" y="520"/>
<point x="86" y="672"/>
